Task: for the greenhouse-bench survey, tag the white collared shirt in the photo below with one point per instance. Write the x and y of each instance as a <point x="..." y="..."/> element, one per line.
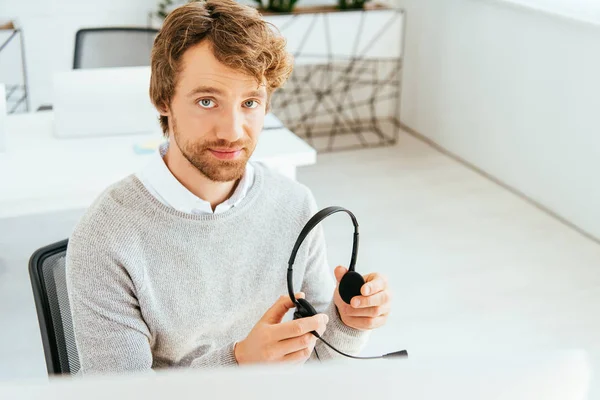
<point x="159" y="181"/>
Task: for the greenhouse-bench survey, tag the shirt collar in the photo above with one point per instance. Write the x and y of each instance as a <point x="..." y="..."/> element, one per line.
<point x="171" y="192"/>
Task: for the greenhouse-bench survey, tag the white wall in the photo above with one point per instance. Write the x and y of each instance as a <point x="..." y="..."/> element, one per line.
<point x="11" y="69"/>
<point x="581" y="10"/>
<point x="379" y="39"/>
<point x="49" y="28"/>
<point x="50" y="25"/>
<point x="512" y="91"/>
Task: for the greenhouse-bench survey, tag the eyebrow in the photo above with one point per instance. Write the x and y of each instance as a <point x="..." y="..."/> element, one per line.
<point x="256" y="93"/>
<point x="212" y="90"/>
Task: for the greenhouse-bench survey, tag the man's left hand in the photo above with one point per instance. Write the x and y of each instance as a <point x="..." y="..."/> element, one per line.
<point x="369" y="310"/>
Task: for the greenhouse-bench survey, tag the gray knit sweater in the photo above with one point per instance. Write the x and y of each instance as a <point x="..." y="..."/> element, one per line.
<point x="152" y="287"/>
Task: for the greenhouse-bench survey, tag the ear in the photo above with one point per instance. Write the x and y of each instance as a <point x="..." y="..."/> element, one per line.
<point x="163" y="110"/>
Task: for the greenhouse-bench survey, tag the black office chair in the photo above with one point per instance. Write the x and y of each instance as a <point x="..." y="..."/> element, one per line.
<point x="48" y="280"/>
<point x="113" y="47"/>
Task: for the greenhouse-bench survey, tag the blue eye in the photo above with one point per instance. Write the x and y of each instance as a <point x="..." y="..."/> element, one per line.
<point x="206" y="103"/>
<point x="251" y="102"/>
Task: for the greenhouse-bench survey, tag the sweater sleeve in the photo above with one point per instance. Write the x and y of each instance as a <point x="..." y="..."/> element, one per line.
<point x="319" y="285"/>
<point x="223" y="357"/>
<point x="110" y="332"/>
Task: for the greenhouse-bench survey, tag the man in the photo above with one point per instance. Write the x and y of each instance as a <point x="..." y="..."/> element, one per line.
<point x="183" y="264"/>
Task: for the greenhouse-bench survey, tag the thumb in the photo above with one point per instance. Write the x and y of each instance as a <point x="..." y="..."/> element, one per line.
<point x="277" y="311"/>
<point x="339" y="272"/>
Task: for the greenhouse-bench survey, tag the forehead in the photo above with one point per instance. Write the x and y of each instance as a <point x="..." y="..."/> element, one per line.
<point x="200" y="67"/>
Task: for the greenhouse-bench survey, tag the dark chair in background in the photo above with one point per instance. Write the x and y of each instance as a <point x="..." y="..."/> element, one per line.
<point x="48" y="280"/>
<point x="113" y="47"/>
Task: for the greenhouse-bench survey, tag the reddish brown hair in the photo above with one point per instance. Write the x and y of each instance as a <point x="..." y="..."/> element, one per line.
<point x="239" y="37"/>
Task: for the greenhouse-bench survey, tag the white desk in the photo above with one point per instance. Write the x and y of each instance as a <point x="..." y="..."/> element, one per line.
<point x="40" y="173"/>
<point x="515" y="377"/>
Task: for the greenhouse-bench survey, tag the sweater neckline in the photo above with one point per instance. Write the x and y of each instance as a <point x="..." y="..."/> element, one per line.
<point x="156" y="204"/>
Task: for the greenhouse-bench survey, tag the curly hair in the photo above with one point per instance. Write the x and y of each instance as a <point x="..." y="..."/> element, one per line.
<point x="240" y="39"/>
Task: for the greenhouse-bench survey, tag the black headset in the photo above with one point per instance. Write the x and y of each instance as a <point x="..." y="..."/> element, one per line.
<point x="349" y="285"/>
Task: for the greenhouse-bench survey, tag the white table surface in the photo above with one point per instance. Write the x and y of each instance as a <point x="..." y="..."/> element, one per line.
<point x="554" y="376"/>
<point x="40" y="173"/>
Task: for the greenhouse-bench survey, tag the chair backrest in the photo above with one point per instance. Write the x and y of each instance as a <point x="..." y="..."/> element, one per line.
<point x="113" y="47"/>
<point x="48" y="280"/>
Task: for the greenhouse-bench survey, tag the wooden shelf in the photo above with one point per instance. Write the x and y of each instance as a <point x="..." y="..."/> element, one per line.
<point x="326" y="9"/>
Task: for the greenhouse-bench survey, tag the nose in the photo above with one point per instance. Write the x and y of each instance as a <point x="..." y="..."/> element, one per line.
<point x="231" y="127"/>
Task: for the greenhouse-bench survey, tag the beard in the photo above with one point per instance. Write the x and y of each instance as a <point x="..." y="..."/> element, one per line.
<point x="198" y="154"/>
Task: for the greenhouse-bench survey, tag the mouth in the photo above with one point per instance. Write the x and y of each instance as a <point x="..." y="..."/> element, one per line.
<point x="226" y="154"/>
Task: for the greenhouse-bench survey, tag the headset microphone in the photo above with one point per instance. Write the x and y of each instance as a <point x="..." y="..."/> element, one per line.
<point x="349" y="285"/>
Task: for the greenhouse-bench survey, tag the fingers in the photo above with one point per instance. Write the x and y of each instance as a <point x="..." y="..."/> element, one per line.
<point x="370" y="309"/>
<point x="321" y="329"/>
<point x="372" y="312"/>
<point x="374" y="283"/>
<point x="366" y="323"/>
<point x="374" y="300"/>
<point x="367" y="306"/>
<point x="299" y="356"/>
<point x="339" y="272"/>
<point x="277" y="311"/>
<point x="293" y="345"/>
<point x="301" y="326"/>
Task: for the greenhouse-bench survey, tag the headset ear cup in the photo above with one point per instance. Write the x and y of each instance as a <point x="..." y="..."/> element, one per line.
<point x="306" y="309"/>
<point x="350" y="285"/>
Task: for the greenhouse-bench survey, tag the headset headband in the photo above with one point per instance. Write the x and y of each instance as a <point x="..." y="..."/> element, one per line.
<point x="310" y="225"/>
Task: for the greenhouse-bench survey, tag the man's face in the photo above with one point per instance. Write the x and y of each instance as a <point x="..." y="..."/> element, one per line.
<point x="216" y="115"/>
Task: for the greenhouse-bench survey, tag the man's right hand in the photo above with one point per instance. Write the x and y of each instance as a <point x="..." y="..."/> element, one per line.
<point x="272" y="341"/>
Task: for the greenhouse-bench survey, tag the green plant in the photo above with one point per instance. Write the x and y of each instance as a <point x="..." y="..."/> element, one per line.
<point x="163" y="8"/>
<point x="166" y="6"/>
<point x="278" y="5"/>
<point x="351" y="4"/>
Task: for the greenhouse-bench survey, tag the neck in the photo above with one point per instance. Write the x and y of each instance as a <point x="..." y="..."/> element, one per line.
<point x="195" y="181"/>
